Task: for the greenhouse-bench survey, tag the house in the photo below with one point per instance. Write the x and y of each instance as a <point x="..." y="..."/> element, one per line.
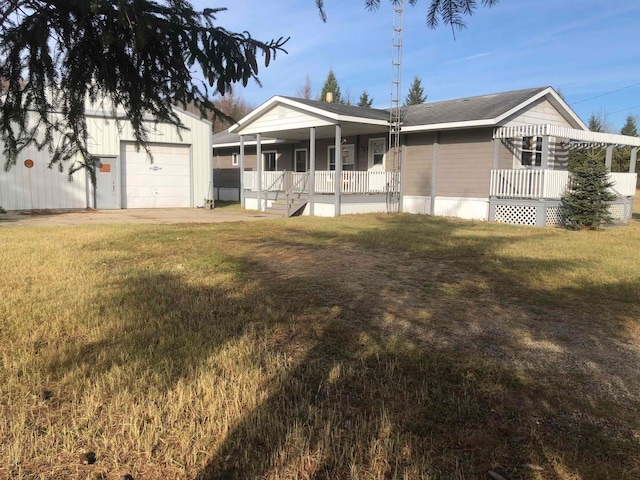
<point x="500" y="157"/>
<point x="180" y="175"/>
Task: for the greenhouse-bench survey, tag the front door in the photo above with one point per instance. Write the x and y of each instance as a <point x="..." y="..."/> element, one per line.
<point x="106" y="184"/>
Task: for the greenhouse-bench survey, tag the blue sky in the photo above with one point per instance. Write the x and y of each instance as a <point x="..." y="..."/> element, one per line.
<point x="584" y="48"/>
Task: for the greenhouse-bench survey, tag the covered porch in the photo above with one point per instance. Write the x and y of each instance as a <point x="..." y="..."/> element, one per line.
<point x="338" y="155"/>
<point x="532" y="195"/>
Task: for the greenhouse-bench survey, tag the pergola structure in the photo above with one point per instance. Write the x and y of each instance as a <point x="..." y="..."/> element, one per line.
<point x="577" y="139"/>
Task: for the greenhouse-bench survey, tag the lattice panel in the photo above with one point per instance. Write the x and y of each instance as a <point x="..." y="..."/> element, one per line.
<point x="516" y="214"/>
<point x="553" y="216"/>
<point x="617" y="211"/>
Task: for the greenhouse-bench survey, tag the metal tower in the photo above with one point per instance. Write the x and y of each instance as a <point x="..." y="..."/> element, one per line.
<point x="395" y="110"/>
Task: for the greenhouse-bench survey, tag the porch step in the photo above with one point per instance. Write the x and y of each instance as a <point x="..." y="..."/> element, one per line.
<point x="279" y="207"/>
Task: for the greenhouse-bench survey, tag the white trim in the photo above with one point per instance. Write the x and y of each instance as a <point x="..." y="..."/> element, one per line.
<point x="462" y="207"/>
<point x="449" y="126"/>
<point x="235" y="159"/>
<point x="295" y="159"/>
<point x="547" y="91"/>
<point x="370" y="164"/>
<point x="275" y="100"/>
<point x="564" y="132"/>
<point x="249" y="143"/>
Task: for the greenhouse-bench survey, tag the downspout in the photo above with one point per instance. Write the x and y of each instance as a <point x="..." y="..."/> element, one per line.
<point x="241" y="167"/>
<point x="434" y="173"/>
<point x="338" y="169"/>
<point x="259" y="167"/>
<point x="312" y="169"/>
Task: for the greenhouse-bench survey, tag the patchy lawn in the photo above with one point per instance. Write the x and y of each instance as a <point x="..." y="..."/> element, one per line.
<point x="364" y="347"/>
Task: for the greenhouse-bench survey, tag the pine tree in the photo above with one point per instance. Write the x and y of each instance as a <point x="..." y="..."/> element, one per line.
<point x="416" y="94"/>
<point x="622" y="155"/>
<point x="364" y="100"/>
<point x="585" y="206"/>
<point x="140" y="57"/>
<point x="630" y="127"/>
<point x="331" y="85"/>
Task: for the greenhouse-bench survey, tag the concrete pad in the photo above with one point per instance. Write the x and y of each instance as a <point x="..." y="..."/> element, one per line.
<point x="151" y="216"/>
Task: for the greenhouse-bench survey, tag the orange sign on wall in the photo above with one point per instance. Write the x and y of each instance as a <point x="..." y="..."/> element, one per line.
<point x="28" y="163"/>
<point x="105" y="167"/>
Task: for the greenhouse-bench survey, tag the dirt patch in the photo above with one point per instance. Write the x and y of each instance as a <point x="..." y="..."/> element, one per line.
<point x="47" y="218"/>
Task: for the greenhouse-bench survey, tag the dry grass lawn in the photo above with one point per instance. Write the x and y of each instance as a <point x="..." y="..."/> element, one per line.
<point x="362" y="347"/>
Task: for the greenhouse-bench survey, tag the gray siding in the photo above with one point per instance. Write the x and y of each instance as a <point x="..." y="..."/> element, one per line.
<point x="464" y="164"/>
<point x="417" y="164"/>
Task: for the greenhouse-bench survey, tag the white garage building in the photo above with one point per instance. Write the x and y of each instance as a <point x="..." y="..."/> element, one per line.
<point x="180" y="175"/>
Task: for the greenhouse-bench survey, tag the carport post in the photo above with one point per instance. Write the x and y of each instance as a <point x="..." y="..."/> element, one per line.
<point x="338" y="166"/>
<point x="312" y="168"/>
<point x="609" y="157"/>
<point x="242" y="171"/>
<point x="632" y="162"/>
<point x="259" y="166"/>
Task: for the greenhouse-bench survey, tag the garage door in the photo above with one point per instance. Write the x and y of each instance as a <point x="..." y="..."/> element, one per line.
<point x="164" y="183"/>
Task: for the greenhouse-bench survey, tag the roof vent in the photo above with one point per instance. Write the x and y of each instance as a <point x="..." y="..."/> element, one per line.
<point x="329" y="97"/>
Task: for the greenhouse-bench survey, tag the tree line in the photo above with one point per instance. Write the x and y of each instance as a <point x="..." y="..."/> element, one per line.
<point x="415" y="96"/>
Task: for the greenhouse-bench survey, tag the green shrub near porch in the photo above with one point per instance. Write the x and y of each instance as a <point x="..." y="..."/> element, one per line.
<point x="585" y="205"/>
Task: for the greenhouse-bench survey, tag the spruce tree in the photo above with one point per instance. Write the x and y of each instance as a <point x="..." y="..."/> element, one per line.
<point x="139" y="57"/>
<point x="585" y="206"/>
<point x="416" y="94"/>
<point x="622" y="155"/>
<point x="365" y="100"/>
<point x="331" y="85"/>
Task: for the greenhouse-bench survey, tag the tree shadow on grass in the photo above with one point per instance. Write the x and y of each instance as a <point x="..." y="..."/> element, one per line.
<point x="444" y="382"/>
<point x="433" y="357"/>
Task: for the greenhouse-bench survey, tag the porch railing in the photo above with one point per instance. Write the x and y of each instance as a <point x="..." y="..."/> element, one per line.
<point x="624" y="184"/>
<point x="353" y="182"/>
<point x="548" y="184"/>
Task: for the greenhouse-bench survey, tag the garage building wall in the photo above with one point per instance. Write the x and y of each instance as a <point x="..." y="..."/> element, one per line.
<point x="40" y="187"/>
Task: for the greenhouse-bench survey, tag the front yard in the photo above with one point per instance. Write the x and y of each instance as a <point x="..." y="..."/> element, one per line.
<point x="364" y="347"/>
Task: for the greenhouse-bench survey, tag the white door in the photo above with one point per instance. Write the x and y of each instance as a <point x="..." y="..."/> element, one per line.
<point x="106" y="190"/>
<point x="162" y="184"/>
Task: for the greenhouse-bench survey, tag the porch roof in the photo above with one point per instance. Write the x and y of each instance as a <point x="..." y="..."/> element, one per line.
<point x="291" y="119"/>
<point x="575" y="135"/>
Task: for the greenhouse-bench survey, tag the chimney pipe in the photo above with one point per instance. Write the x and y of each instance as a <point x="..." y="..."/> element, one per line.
<point x="329" y="97"/>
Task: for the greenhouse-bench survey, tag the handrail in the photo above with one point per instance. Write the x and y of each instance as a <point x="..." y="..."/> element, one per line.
<point x="278" y="179"/>
<point x="303" y="178"/>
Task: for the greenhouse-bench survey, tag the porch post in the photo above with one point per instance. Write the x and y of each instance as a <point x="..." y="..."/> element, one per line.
<point x="338" y="164"/>
<point x="609" y="157"/>
<point x="312" y="168"/>
<point x="544" y="163"/>
<point x="632" y="162"/>
<point x="496" y="153"/>
<point x="259" y="167"/>
<point x="241" y="166"/>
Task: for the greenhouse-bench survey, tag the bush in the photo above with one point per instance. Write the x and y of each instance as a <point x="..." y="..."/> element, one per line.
<point x="585" y="205"/>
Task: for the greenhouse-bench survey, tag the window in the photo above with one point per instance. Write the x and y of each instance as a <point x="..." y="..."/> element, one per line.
<point x="347" y="154"/>
<point x="234" y="159"/>
<point x="269" y="161"/>
<point x="532" y="151"/>
<point x="302" y="164"/>
<point x="376" y="152"/>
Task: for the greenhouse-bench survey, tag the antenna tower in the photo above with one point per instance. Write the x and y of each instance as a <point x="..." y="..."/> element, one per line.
<point x="395" y="111"/>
